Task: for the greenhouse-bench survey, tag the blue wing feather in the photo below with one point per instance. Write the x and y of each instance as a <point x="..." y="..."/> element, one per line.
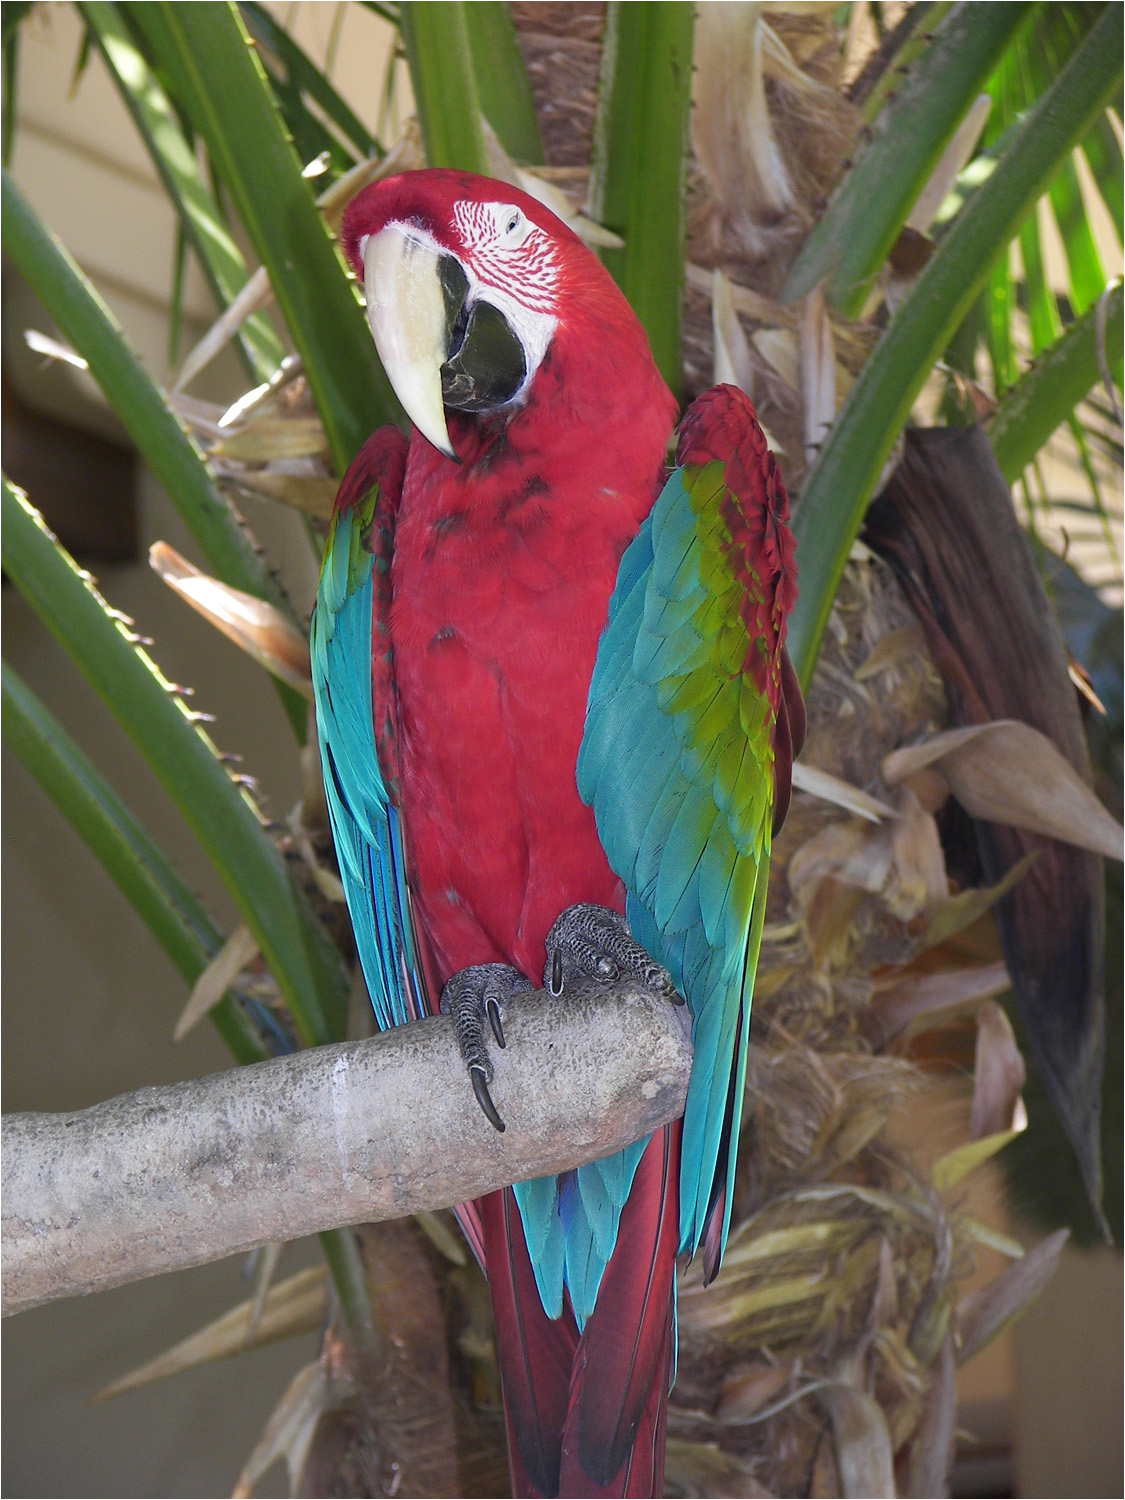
<point x="365" y="822"/>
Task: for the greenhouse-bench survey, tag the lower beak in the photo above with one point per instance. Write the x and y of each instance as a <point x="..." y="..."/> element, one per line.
<point x="406" y="310"/>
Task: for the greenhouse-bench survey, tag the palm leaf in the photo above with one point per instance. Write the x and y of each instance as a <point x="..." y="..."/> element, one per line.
<point x="636" y="183"/>
<point x="842" y="480"/>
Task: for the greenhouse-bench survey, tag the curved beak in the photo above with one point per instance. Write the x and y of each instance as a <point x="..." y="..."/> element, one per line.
<point x="406" y="310"/>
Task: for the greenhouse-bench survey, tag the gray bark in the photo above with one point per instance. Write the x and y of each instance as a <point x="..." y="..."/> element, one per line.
<point x="173" y="1176"/>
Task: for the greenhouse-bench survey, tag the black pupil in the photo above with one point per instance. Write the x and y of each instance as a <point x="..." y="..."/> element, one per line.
<point x="512" y="224"/>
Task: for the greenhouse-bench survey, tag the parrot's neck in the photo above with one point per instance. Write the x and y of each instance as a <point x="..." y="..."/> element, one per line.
<point x="586" y="435"/>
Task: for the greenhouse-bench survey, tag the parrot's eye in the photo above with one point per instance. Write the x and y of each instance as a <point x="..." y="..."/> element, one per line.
<point x="513" y="222"/>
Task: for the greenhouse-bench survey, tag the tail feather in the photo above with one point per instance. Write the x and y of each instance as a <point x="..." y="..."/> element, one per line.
<point x="620" y="1382"/>
<point x="642" y="1473"/>
<point x="536" y="1353"/>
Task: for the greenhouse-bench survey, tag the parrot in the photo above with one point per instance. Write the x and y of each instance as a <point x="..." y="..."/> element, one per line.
<point x="557" y="724"/>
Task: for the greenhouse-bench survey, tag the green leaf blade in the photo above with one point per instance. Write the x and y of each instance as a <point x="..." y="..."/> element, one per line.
<point x="175" y="460"/>
<point x="219" y="81"/>
<point x="1042" y="399"/>
<point x="170" y="453"/>
<point x="217" y="253"/>
<point x="1103" y="156"/>
<point x="303" y="76"/>
<point x="637" y="175"/>
<point x="850" y="244"/>
<point x="440" y="59"/>
<point x="501" y="79"/>
<point x="841" y="482"/>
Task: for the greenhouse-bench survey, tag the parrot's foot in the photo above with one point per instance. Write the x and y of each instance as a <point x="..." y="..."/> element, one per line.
<point x="470" y="996"/>
<point x="593" y="942"/>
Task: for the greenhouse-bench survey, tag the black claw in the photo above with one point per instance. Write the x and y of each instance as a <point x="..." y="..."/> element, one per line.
<point x="556" y="973"/>
<point x="484" y="1099"/>
<point x="495" y="1022"/>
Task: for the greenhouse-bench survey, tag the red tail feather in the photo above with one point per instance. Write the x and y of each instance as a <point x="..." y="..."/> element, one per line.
<point x="620" y="1384"/>
<point x="536" y="1353"/>
<point x="585" y="1416"/>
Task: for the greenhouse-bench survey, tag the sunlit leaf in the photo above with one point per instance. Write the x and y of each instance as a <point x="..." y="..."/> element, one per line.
<point x="257" y="627"/>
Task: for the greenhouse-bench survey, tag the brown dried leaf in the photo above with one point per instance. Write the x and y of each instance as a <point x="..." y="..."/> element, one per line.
<point x="733" y="364"/>
<point x="405" y="156"/>
<point x="884" y="1304"/>
<point x="818" y="372"/>
<point x="925" y="1000"/>
<point x="289" y="1430"/>
<point x="1007" y="772"/>
<point x="932" y="1451"/>
<point x="864" y="1458"/>
<point x="998" y="1075"/>
<point x="828" y="917"/>
<point x="983" y="1313"/>
<point x="930" y="787"/>
<point x="293" y="1306"/>
<point x="957" y="912"/>
<point x="271" y="437"/>
<point x="238" y="950"/>
<point x="918" y="865"/>
<point x="778" y="347"/>
<point x="949" y="165"/>
<point x="259" y="628"/>
<point x="437" y="1230"/>
<point x="748" y="1388"/>
<point x="706" y="1469"/>
<point x="752" y="304"/>
<point x="312" y="494"/>
<point x="731" y="129"/>
<point x="897" y="645"/>
<point x="848" y="852"/>
<point x="830" y="788"/>
<point x="256" y="294"/>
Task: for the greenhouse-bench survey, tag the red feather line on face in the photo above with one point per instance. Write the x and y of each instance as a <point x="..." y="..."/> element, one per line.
<point x="528" y="271"/>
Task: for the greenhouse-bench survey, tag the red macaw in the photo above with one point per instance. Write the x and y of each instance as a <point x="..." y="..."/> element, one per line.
<point x="557" y="724"/>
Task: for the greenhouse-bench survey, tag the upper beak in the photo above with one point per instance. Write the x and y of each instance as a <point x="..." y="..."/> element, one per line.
<point x="409" y="322"/>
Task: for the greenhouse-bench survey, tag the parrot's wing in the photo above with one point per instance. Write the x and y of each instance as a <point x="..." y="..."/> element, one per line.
<point x="353" y="684"/>
<point x="693" y="718"/>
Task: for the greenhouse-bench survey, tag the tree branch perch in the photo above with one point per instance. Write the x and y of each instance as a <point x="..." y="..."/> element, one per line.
<point x="170" y="1177"/>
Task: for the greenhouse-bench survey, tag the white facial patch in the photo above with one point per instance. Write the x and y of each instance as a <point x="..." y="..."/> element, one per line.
<point x="510" y="263"/>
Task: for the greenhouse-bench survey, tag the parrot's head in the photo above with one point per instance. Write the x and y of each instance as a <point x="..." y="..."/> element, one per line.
<point x="467" y="283"/>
